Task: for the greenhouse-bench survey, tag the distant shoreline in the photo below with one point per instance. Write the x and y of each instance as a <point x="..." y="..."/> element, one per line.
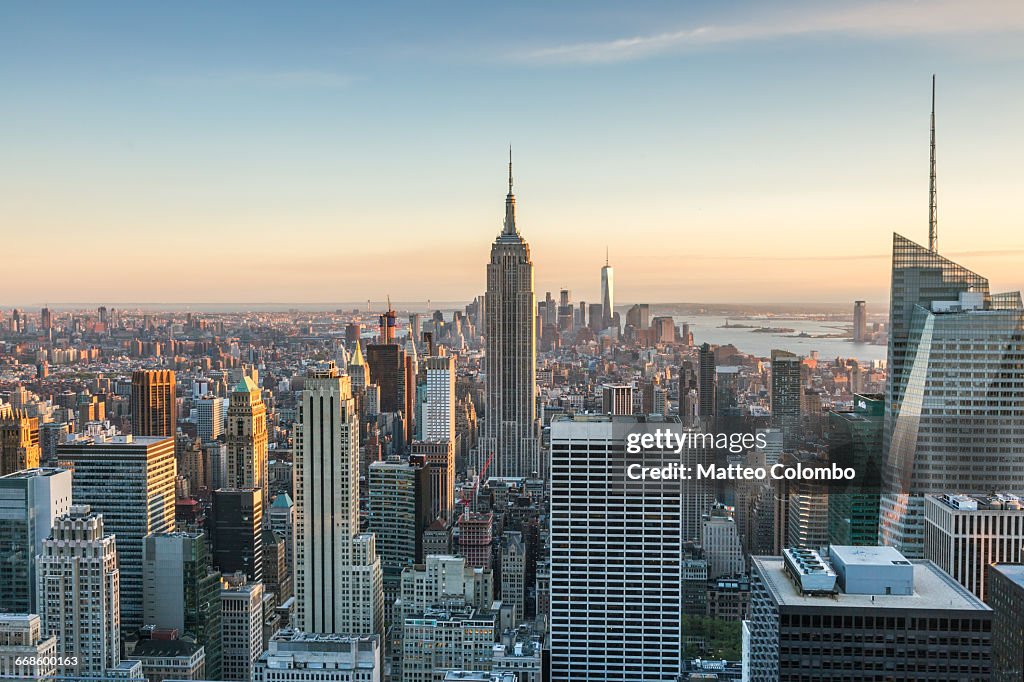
<point x="733" y="310"/>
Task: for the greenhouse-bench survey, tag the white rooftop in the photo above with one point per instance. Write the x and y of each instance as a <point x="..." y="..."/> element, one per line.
<point x="933" y="589"/>
<point x="867" y="556"/>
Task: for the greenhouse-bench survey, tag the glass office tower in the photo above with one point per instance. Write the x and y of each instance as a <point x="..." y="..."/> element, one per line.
<point x="954" y="416"/>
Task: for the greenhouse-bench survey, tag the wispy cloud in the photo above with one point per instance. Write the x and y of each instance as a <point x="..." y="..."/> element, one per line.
<point x="908" y="18"/>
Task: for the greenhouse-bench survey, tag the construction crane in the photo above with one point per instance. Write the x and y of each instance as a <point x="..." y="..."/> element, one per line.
<point x="483" y="471"/>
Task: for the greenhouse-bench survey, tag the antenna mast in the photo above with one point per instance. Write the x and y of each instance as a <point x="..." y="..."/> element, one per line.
<point x="933" y="215"/>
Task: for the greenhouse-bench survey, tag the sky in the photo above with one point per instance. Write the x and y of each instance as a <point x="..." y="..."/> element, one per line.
<point x="280" y="152"/>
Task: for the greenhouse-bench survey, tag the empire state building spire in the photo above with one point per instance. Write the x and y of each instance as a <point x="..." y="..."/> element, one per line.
<point x="510" y="201"/>
<point x="510" y="430"/>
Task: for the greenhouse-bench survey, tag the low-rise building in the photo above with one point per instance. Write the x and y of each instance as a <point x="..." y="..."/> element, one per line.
<point x="862" y="613"/>
<point x="478" y="676"/>
<point x="1006" y="597"/>
<point x="728" y="598"/>
<point x="295" y="656"/>
<point x="519" y="652"/>
<point x="454" y="636"/>
<point x="963" y="534"/>
<point x="24" y="651"/>
<point x="169" y="659"/>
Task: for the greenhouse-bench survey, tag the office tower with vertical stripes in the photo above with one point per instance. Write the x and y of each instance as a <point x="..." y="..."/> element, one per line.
<point x="154" y="403"/>
<point x="706" y="381"/>
<point x="786" y="392"/>
<point x="617" y="549"/>
<point x="438" y="417"/>
<point x="338" y="584"/>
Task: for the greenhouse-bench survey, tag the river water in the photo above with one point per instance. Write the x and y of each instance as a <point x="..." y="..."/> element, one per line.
<point x="708" y="328"/>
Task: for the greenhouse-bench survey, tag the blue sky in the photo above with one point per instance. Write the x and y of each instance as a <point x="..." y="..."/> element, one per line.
<point x="724" y="151"/>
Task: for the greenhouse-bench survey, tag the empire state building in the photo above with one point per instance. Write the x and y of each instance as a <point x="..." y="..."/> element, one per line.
<point x="509" y="440"/>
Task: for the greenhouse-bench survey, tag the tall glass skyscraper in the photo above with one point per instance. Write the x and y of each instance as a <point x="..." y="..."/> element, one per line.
<point x="30" y="502"/>
<point x="954" y="414"/>
<point x="855" y="440"/>
<point x="510" y="432"/>
<point x="607" y="294"/>
<point x="786" y="391"/>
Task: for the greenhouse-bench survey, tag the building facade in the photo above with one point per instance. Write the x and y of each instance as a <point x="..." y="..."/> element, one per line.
<point x="438" y="419"/>
<point x="955" y="390"/>
<point x="440" y="456"/>
<point x="30" y="501"/>
<point x="130" y="481"/>
<point x="154" y="403"/>
<point x="400" y="510"/>
<point x="720" y="539"/>
<point x="510" y="438"/>
<point x="860" y="322"/>
<point x="338" y="582"/>
<point x="247" y="455"/>
<point x="24" y="651"/>
<point x="786" y="392"/>
<point x="446" y="638"/>
<point x="1006" y="597"/>
<point x="476" y="533"/>
<point x="865" y="613"/>
<point x="855" y="441"/>
<point x="617" y="546"/>
<point x="295" y="656"/>
<point x="209" y="416"/>
<point x="607" y="306"/>
<point x="236" y="531"/>
<point x="19" y="440"/>
<point x="79" y="593"/>
<point x="964" y="534"/>
<point x="182" y="592"/>
<point x="241" y="605"/>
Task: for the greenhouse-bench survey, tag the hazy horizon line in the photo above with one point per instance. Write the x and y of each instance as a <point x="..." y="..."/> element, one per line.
<point x="330" y="306"/>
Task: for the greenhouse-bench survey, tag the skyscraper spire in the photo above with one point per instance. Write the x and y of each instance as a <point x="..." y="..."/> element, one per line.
<point x="510" y="431"/>
<point x="607" y="292"/>
<point x="933" y="217"/>
<point x="510" y="201"/>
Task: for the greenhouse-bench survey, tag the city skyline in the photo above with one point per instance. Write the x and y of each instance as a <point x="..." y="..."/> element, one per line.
<point x="291" y="163"/>
<point x="720" y="394"/>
